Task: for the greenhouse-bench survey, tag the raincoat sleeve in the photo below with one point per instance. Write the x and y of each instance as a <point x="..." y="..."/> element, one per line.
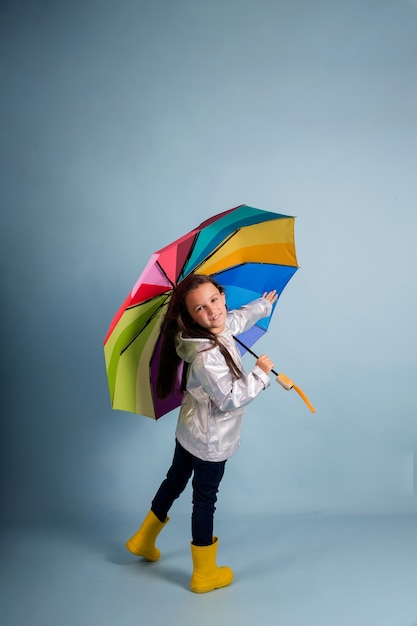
<point x="242" y="319"/>
<point x="211" y="371"/>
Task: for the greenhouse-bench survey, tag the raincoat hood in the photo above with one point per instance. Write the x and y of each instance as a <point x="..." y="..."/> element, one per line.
<point x="188" y="348"/>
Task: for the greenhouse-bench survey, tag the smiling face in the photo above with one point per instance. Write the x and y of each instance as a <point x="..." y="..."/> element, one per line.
<point x="207" y="307"/>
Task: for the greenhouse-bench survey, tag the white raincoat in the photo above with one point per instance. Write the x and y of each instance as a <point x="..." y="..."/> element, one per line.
<point x="211" y="413"/>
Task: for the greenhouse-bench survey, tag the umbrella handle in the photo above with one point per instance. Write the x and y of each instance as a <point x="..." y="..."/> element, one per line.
<point x="282" y="379"/>
<point x="288" y="384"/>
<point x="304" y="397"/>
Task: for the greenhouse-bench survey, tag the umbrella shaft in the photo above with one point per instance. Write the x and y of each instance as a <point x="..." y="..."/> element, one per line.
<point x="251" y="352"/>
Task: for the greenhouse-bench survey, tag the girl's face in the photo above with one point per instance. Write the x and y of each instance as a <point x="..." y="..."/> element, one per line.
<point x="207" y="307"/>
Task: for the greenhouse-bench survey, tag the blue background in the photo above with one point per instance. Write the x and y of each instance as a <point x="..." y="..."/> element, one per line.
<point x="124" y="125"/>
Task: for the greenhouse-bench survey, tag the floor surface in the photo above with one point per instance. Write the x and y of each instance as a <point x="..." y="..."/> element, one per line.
<point x="289" y="571"/>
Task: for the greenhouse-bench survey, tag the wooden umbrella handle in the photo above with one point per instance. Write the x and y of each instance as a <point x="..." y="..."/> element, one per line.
<point x="288" y="384"/>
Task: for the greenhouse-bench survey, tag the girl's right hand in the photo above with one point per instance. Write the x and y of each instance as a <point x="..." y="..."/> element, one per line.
<point x="271" y="296"/>
<point x="265" y="363"/>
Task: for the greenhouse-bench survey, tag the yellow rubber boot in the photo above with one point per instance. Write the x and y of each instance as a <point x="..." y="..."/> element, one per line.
<point x="206" y="574"/>
<point x="143" y="541"/>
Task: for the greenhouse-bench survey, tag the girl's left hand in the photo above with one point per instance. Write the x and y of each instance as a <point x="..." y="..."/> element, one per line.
<point x="271" y="296"/>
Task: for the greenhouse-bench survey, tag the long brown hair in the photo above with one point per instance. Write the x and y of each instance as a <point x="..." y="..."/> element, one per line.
<point x="178" y="320"/>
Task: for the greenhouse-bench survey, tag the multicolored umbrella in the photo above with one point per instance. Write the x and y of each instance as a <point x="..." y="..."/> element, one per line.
<point x="247" y="250"/>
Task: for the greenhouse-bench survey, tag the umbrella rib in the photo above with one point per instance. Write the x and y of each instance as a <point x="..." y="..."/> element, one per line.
<point x="223" y="243"/>
<point x="148" y="321"/>
<point x="165" y="274"/>
<point x="191" y="250"/>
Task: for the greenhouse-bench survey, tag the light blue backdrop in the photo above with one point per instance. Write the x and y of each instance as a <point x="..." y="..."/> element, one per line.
<point x="124" y="126"/>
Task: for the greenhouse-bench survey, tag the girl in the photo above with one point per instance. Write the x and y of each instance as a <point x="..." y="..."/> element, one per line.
<point x="198" y="330"/>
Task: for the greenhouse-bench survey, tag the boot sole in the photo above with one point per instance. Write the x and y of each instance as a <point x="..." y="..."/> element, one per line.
<point x="131" y="549"/>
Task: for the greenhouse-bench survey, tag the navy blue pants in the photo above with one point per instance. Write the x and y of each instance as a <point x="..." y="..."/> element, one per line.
<point x="206" y="481"/>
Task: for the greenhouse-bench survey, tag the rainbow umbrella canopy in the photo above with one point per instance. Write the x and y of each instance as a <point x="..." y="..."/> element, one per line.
<point x="247" y="250"/>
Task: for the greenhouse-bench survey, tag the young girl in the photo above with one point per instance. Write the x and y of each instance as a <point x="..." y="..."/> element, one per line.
<point x="199" y="330"/>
